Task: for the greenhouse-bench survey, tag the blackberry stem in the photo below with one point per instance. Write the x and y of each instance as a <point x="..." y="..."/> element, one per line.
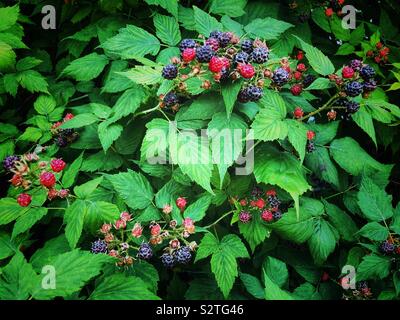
<point x="219" y="219"/>
<point x="325" y="106"/>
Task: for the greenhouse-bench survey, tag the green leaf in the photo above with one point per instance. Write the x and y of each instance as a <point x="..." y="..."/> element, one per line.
<point x="8" y="17"/>
<point x="83" y="191"/>
<point x="297" y="135"/>
<point x="86" y="68"/>
<point x="269" y="125"/>
<point x="45" y="104"/>
<point x="322" y="242"/>
<point x="232" y="9"/>
<point x="208" y="246"/>
<point x="17" y="279"/>
<point x="318" y="61"/>
<point x="132" y="42"/>
<point x="320" y="84"/>
<point x="121" y="287"/>
<point x="358" y="34"/>
<point x="71" y="276"/>
<point x="27" y="63"/>
<point x="345" y="49"/>
<point x="197" y="210"/>
<point x="276" y="270"/>
<point x="233" y="26"/>
<point x="128" y="103"/>
<point x="170" y="5"/>
<point x="282" y="169"/>
<point x="254" y="231"/>
<point x="223" y="262"/>
<point x="71" y="172"/>
<point x="374" y="231"/>
<point x="319" y="17"/>
<point x="321" y="164"/>
<point x="143" y="75"/>
<point x="147" y="272"/>
<point x="338" y="30"/>
<point x="230" y="92"/>
<point x="79" y="121"/>
<point x="99" y="212"/>
<point x="364" y="120"/>
<point x="253" y="285"/>
<point x="108" y="134"/>
<point x="343" y="223"/>
<point x="267" y="28"/>
<point x="33" y="81"/>
<point x="352" y="158"/>
<point x="273" y="292"/>
<point x="74" y="218"/>
<point x="375" y="203"/>
<point x="10" y="210"/>
<point x="205" y="23"/>
<point x="373" y="267"/>
<point x="7" y="247"/>
<point x="26" y="221"/>
<point x="167" y="29"/>
<point x="133" y="188"/>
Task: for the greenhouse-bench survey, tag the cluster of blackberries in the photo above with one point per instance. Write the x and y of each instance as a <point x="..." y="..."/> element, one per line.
<point x="389" y="247"/>
<point x="361" y="78"/>
<point x="9" y="162"/>
<point x="250" y="93"/>
<point x="63" y="137"/>
<point x="181" y="255"/>
<point x="266" y="204"/>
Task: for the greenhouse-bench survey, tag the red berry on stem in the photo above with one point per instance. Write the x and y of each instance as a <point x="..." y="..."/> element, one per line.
<point x="379" y="45"/>
<point x="246" y="70"/>
<point x="329" y="12"/>
<point x="300" y="55"/>
<point x="301" y="67"/>
<point x="24" y="199"/>
<point x="260" y="203"/>
<point x="57" y="165"/>
<point x="296" y="89"/>
<point x="347" y="72"/>
<point x="181" y="203"/>
<point x="271" y="192"/>
<point x="298" y="113"/>
<point x="188" y="54"/>
<point x="68" y="116"/>
<point x="325" y="277"/>
<point x="216" y="64"/>
<point x="370" y="53"/>
<point x="310" y="134"/>
<point x="47" y="179"/>
<point x="267" y="216"/>
<point x="297" y="75"/>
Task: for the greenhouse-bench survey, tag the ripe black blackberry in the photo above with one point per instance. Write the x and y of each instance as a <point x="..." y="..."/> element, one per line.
<point x="241" y="57"/>
<point x="353" y="89"/>
<point x="308" y="79"/>
<point x="224" y="38"/>
<point x="254" y="93"/>
<point x="247" y="46"/>
<point x="352" y="106"/>
<point x="170" y="71"/>
<point x="310" y="146"/>
<point x="273" y="201"/>
<point x="99" y="246"/>
<point x="170" y="99"/>
<point x="168" y="260"/>
<point x="204" y="53"/>
<point x="8" y="162"/>
<point x="65" y="136"/>
<point x="215" y="34"/>
<point x="280" y="76"/>
<point x="183" y="255"/>
<point x="277" y="215"/>
<point x="187" y="43"/>
<point x="369" y="85"/>
<point x="386" y="247"/>
<point x="145" y="252"/>
<point x="355" y="64"/>
<point x="243" y="96"/>
<point x="224" y="73"/>
<point x="367" y="72"/>
<point x="260" y="55"/>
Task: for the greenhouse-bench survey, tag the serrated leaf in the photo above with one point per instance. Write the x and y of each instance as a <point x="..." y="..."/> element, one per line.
<point x="80" y="120"/>
<point x="373" y="267"/>
<point x="322" y="242"/>
<point x="10" y="210"/>
<point x="167" y="29"/>
<point x="276" y="270"/>
<point x="197" y="210"/>
<point x="27" y="63"/>
<point x="253" y="285"/>
<point x="229" y="93"/>
<point x="108" y="134"/>
<point x="374" y="231"/>
<point x="170" y="5"/>
<point x="8" y="17"/>
<point x="205" y="23"/>
<point x="86" y="68"/>
<point x="26" y="221"/>
<point x="297" y="135"/>
<point x="343" y="223"/>
<point x="232" y="9"/>
<point x="267" y="28"/>
<point x="33" y="81"/>
<point x="273" y="292"/>
<point x="45" y="104"/>
<point x="143" y="75"/>
<point x="364" y="120"/>
<point x="72" y="171"/>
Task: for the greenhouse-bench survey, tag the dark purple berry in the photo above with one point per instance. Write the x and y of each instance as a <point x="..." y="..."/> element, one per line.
<point x="308" y="79"/>
<point x="260" y="55"/>
<point x="204" y="53"/>
<point x="241" y="57"/>
<point x="310" y="146"/>
<point x="277" y="215"/>
<point x="99" y="246"/>
<point x="187" y="43"/>
<point x="352" y="107"/>
<point x="273" y="201"/>
<point x="224" y="38"/>
<point x="170" y="71"/>
<point x="353" y="89"/>
<point x="183" y="255"/>
<point x="369" y="85"/>
<point x="247" y="46"/>
<point x="386" y="247"/>
<point x="168" y="260"/>
<point x="244" y="216"/>
<point x="367" y="72"/>
<point x="145" y="252"/>
<point x="215" y="34"/>
<point x="280" y="76"/>
<point x="254" y="93"/>
<point x="170" y="99"/>
<point x="256" y="192"/>
<point x="9" y="162"/>
<point x="243" y="96"/>
<point x="355" y="64"/>
<point x="213" y="43"/>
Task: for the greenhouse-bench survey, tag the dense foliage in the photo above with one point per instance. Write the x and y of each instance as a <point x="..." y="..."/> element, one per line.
<point x="115" y="184"/>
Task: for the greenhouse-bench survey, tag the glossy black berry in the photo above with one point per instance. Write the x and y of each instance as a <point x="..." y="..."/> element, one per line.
<point x="187" y="43"/>
<point x="256" y="192"/>
<point x="355" y="64"/>
<point x="183" y="255"/>
<point x="367" y="72"/>
<point x="60" y="141"/>
<point x="386" y="247"/>
<point x="310" y="146"/>
<point x="308" y="79"/>
<point x="254" y="93"/>
<point x="353" y="89"/>
<point x="352" y="106"/>
<point x="215" y="34"/>
<point x="8" y="162"/>
<point x="241" y="57"/>
<point x="99" y="246"/>
<point x="168" y="260"/>
<point x="224" y="73"/>
<point x="170" y="71"/>
<point x="204" y="53"/>
<point x="243" y="96"/>
<point x="280" y="76"/>
<point x="273" y="201"/>
<point x="247" y="46"/>
<point x="170" y="99"/>
<point x="145" y="252"/>
<point x="369" y="85"/>
<point x="260" y="55"/>
<point x="224" y="38"/>
<point x="277" y="215"/>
